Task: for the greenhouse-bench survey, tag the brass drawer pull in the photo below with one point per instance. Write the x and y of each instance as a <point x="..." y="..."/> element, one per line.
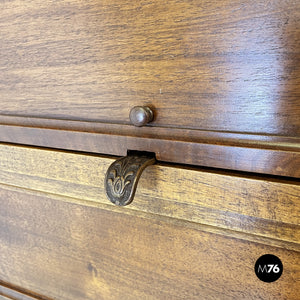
<point x="141" y="115"/>
<point x="122" y="177"/>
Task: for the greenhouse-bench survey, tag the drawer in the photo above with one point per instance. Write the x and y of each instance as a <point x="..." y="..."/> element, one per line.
<point x="262" y="205"/>
<point x="190" y="233"/>
<point x="222" y="79"/>
<point x="222" y="66"/>
<point x="71" y="251"/>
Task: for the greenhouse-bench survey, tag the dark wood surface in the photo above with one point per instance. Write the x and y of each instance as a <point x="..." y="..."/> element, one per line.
<point x="257" y="206"/>
<point x="223" y="80"/>
<point x="213" y="65"/>
<point x="70" y="251"/>
<point x="244" y="152"/>
<point x="221" y="76"/>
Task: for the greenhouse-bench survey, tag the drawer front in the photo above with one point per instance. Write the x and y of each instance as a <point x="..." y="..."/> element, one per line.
<point x="214" y="65"/>
<point x="266" y="207"/>
<point x="188" y="234"/>
<point x="69" y="251"/>
<point x="222" y="78"/>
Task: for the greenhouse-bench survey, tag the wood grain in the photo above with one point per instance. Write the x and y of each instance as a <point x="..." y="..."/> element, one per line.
<point x="8" y="291"/>
<point x="229" y="65"/>
<point x="244" y="152"/>
<point x="263" y="207"/>
<point x="69" y="251"/>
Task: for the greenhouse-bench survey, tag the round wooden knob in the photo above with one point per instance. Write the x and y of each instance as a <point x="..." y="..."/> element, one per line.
<point x="140" y="115"/>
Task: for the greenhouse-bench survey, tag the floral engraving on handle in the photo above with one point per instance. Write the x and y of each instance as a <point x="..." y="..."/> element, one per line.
<point x="122" y="177"/>
<point x="119" y="176"/>
<point x="118" y="184"/>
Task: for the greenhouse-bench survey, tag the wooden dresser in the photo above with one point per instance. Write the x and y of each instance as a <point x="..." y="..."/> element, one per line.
<point x="222" y="80"/>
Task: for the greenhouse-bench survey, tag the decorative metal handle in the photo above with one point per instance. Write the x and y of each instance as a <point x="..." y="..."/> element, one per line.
<point x="122" y="177"/>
